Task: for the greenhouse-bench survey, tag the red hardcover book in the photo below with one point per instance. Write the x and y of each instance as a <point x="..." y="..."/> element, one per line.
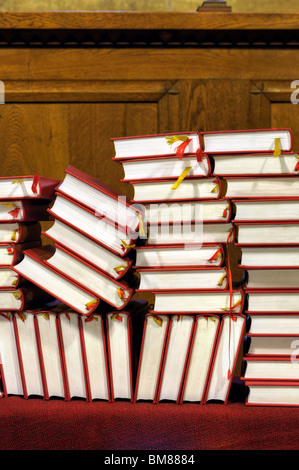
<point x="9" y="278"/>
<point x="86" y="276"/>
<point x="272" y="393"/>
<point x="24" y="210"/>
<point x="170" y="166"/>
<point x="283" y="233"/>
<point x="193" y="301"/>
<point x="266" y="209"/>
<point x="88" y="224"/>
<point x="283" y="368"/>
<point x="270" y="345"/>
<point x="264" y="186"/>
<point x="33" y="268"/>
<point x="154" y="256"/>
<point x="179" y="144"/>
<point x="154" y="337"/>
<point x="12" y="253"/>
<point x="19" y="232"/>
<point x="188" y="212"/>
<point x="9" y="359"/>
<point x="271" y="277"/>
<point x="273" y="324"/>
<point x="124" y="332"/>
<point x="181" y="279"/>
<point x="25" y="297"/>
<point x="274" y="140"/>
<point x="256" y="256"/>
<point x="29" y="186"/>
<point x="254" y="164"/>
<point x="225" y="358"/>
<point x="270" y="301"/>
<point x="170" y="189"/>
<point x="204" y="340"/>
<point x="99" y="198"/>
<point x="175" y="358"/>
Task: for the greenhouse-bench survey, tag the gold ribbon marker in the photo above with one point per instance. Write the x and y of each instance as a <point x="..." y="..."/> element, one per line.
<point x="175" y="138"/>
<point x="46" y="316"/>
<point x="14" y="283"/>
<point x="126" y="245"/>
<point x="17" y="295"/>
<point x="181" y="178"/>
<point x="141" y="226"/>
<point x="220" y="283"/>
<point x="22" y="316"/>
<point x="7" y="204"/>
<point x="116" y="316"/>
<point x="5" y="315"/>
<point x="158" y="320"/>
<point x="20" y="180"/>
<point x="277" y="150"/>
<point x="121" y="268"/>
<point x="121" y="294"/>
<point x="234" y="306"/>
<point x="91" y="318"/>
<point x="89" y="305"/>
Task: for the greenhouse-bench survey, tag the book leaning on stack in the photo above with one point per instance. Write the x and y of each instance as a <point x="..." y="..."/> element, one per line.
<point x="187" y="334"/>
<point x="263" y="190"/>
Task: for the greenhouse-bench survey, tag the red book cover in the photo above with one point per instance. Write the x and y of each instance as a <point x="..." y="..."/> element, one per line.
<point x="24" y="210"/>
<point x="29" y="186"/>
<point x="20" y="232"/>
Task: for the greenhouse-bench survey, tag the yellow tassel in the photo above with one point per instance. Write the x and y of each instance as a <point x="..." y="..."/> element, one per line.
<point x="277" y="150"/>
<point x="120" y="268"/>
<point x="17" y="295"/>
<point x="180" y="178"/>
<point x="116" y="316"/>
<point x="221" y="280"/>
<point x="46" y="316"/>
<point x="14" y="283"/>
<point x="127" y="246"/>
<point x="157" y="320"/>
<point x="20" y="180"/>
<point x="7" y="204"/>
<point x="234" y="306"/>
<point x="90" y="304"/>
<point x="175" y="138"/>
<point x="215" y="188"/>
<point x="22" y="316"/>
<point x="141" y="226"/>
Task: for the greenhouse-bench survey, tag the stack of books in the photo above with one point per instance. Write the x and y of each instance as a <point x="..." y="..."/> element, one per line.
<point x="193" y="333"/>
<point x="86" y="268"/>
<point x="24" y="201"/>
<point x="263" y="188"/>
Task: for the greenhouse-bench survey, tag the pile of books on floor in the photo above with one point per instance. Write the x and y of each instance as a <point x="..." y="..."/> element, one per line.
<point x="60" y="350"/>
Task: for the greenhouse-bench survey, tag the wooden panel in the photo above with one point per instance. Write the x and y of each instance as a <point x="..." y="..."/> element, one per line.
<point x="138" y="64"/>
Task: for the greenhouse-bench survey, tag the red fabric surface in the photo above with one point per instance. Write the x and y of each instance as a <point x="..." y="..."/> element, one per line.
<point x="76" y="425"/>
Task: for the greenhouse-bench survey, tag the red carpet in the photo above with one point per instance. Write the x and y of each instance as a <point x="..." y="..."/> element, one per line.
<point x="56" y="425"/>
